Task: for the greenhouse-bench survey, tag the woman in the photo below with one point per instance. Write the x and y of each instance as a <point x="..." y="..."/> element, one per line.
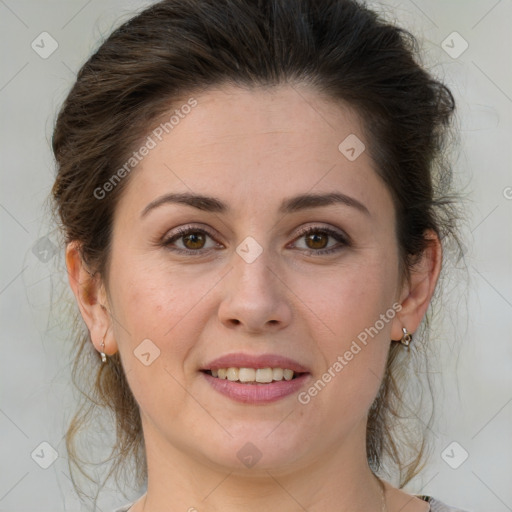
<point x="248" y="193"/>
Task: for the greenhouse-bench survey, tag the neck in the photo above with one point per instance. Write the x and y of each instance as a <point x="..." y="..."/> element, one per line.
<point x="338" y="481"/>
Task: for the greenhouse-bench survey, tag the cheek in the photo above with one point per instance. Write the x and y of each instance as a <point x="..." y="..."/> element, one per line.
<point x="353" y="299"/>
<point x="356" y="305"/>
<point x="153" y="301"/>
<point x="156" y="324"/>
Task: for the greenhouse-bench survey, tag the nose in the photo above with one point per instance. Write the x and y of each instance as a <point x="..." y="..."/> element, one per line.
<point x="256" y="298"/>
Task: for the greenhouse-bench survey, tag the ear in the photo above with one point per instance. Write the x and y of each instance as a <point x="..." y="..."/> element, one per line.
<point x="419" y="288"/>
<point x="91" y="297"/>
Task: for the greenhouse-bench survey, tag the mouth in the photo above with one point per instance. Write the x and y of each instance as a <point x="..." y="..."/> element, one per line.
<point x="255" y="379"/>
<point x="250" y="376"/>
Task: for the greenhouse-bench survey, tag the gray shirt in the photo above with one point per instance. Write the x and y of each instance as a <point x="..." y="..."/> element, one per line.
<point x="435" y="506"/>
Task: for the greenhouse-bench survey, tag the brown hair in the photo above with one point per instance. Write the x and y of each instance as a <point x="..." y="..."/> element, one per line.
<point x="181" y="47"/>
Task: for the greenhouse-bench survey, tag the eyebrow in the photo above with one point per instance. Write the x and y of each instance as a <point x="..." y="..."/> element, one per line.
<point x="289" y="205"/>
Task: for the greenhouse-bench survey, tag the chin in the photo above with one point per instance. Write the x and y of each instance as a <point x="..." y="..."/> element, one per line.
<point x="256" y="449"/>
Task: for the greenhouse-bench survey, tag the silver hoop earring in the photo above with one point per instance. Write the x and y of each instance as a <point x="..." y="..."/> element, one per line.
<point x="406" y="338"/>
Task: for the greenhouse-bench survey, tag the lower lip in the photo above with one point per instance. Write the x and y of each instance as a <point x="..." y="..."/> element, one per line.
<point x="256" y="393"/>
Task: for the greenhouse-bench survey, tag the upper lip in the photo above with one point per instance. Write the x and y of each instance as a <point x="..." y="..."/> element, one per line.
<point x="240" y="360"/>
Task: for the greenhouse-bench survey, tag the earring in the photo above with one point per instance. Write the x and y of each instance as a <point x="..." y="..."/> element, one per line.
<point x="103" y="356"/>
<point x="406" y="338"/>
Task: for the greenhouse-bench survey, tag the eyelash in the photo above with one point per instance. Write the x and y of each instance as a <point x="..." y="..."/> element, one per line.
<point x="183" y="231"/>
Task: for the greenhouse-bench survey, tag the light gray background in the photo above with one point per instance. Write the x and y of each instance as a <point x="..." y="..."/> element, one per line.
<point x="475" y="349"/>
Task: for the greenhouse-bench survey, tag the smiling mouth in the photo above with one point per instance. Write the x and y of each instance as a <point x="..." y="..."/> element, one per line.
<point x="253" y="375"/>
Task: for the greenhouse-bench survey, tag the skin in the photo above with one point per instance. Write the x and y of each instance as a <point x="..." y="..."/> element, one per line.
<point x="252" y="149"/>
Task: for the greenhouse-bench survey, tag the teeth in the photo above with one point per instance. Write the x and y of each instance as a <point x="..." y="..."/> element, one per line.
<point x="260" y="375"/>
<point x="288" y="374"/>
<point x="277" y="374"/>
<point x="264" y="375"/>
<point x="247" y="374"/>
<point x="232" y="374"/>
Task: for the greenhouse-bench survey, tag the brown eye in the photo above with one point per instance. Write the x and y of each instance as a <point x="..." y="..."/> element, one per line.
<point x="317" y="240"/>
<point x="190" y="240"/>
<point x="195" y="240"/>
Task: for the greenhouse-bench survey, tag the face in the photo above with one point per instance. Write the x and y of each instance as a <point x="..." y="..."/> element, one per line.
<point x="256" y="279"/>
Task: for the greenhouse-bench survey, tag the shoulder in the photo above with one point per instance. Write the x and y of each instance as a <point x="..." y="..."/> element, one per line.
<point x="124" y="508"/>
<point x="439" y="506"/>
<point x="435" y="506"/>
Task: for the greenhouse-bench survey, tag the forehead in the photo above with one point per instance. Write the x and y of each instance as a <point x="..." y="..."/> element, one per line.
<point x="257" y="146"/>
<point x="258" y="121"/>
